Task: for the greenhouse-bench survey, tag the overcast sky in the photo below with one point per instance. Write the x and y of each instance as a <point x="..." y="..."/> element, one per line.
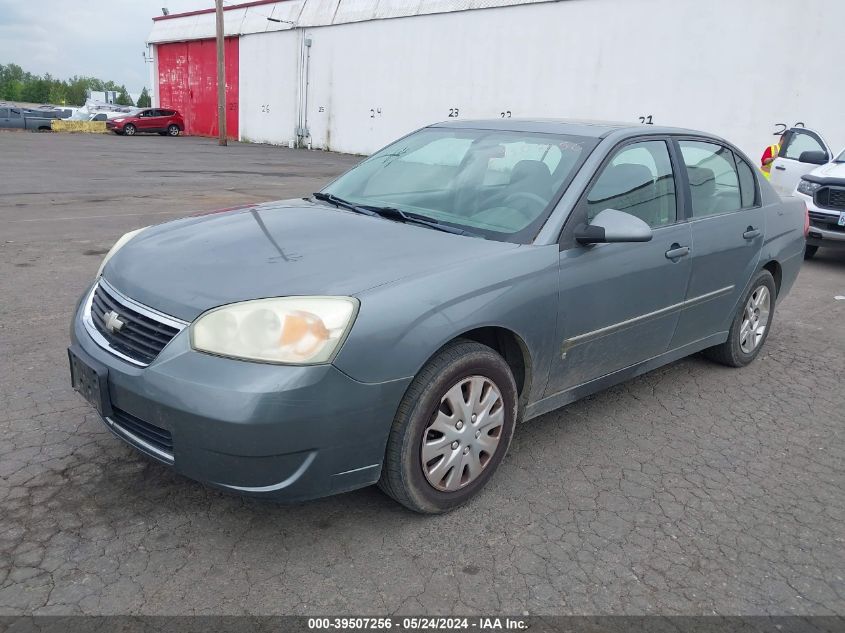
<point x="97" y="38"/>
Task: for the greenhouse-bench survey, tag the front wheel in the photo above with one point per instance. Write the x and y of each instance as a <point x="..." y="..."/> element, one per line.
<point x="129" y="129"/>
<point x="810" y="251"/>
<point x="452" y="429"/>
<point x="173" y="130"/>
<point x="750" y="326"/>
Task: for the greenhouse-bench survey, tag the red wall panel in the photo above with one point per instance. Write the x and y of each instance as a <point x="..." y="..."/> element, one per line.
<point x="187" y="81"/>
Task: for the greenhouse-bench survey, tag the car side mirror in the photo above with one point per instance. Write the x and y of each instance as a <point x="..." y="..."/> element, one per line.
<point x="611" y="226"/>
<point x="813" y="158"/>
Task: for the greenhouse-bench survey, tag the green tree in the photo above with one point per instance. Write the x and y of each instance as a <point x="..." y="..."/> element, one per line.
<point x="58" y="93"/>
<point x="36" y="90"/>
<point x="144" y="100"/>
<point x="18" y="85"/>
<point x="123" y="97"/>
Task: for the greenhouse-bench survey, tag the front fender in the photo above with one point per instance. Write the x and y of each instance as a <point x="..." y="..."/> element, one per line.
<point x="402" y="324"/>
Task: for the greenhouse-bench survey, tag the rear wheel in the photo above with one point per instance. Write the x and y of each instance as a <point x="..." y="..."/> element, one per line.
<point x="452" y="429"/>
<point x="750" y="326"/>
<point x="129" y="129"/>
<point x="173" y="130"/>
<point x="810" y="251"/>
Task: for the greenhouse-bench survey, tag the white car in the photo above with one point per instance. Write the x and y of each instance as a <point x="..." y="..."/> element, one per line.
<point x="806" y="168"/>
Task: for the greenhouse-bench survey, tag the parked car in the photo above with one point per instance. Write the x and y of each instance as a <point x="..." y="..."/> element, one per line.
<point x="393" y="327"/>
<point x="807" y="169"/>
<point x="19" y="119"/>
<point x="149" y="120"/>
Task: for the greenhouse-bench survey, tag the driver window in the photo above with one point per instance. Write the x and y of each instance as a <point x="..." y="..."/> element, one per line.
<point x="639" y="181"/>
<point x="800" y="142"/>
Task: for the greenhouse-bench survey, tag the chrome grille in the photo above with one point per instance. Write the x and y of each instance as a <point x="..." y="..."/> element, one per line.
<point x="141" y="332"/>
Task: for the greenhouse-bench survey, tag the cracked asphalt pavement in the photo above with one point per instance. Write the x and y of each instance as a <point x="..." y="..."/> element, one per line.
<point x="695" y="489"/>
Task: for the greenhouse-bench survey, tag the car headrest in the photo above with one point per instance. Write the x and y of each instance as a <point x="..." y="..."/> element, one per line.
<point x="532" y="175"/>
<point x="702" y="182"/>
<point x="621" y="179"/>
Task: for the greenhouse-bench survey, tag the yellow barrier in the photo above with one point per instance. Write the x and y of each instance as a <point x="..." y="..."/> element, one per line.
<point x="87" y="127"/>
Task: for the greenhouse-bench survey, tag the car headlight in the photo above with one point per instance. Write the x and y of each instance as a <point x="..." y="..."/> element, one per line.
<point x="120" y="243"/>
<point x="808" y="188"/>
<point x="118" y="120"/>
<point x="287" y="330"/>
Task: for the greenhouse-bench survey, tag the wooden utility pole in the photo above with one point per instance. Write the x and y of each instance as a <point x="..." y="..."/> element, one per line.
<point x="221" y="76"/>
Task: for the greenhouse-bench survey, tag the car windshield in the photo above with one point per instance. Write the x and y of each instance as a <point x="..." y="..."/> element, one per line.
<point x="497" y="184"/>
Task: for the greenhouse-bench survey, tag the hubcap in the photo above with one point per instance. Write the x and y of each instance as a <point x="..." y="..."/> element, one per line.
<point x="464" y="434"/>
<point x="755" y="319"/>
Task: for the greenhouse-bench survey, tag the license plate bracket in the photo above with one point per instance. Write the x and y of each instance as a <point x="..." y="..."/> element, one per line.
<point x="91" y="380"/>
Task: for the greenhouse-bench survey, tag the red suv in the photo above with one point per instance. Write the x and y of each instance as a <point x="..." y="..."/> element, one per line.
<point x="165" y="122"/>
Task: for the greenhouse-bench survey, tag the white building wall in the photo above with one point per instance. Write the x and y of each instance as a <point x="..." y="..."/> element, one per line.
<point x="268" y="84"/>
<point x="733" y="68"/>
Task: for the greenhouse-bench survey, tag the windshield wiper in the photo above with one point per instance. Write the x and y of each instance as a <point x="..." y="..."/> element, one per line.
<point x="412" y="218"/>
<point x="340" y="202"/>
<point x="392" y="213"/>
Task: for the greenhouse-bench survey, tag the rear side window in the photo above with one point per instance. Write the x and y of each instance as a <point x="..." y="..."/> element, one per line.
<point x="747" y="183"/>
<point x="639" y="181"/>
<point x="713" y="178"/>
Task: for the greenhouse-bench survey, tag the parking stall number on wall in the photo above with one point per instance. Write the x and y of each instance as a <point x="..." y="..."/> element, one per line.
<point x="780" y="128"/>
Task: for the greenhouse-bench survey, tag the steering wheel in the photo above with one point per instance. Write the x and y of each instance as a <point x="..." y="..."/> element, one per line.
<point x="532" y="198"/>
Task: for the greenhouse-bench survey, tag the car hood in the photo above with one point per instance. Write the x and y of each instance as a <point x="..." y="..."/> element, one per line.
<point x="286" y="248"/>
<point x="831" y="170"/>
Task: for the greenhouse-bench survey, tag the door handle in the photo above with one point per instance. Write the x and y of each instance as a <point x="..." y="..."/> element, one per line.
<point x="780" y="167"/>
<point x="751" y="233"/>
<point x="676" y="251"/>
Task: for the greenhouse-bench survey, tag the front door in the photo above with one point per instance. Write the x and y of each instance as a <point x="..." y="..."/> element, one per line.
<point x="618" y="303"/>
<point x="728" y="226"/>
<point x="11" y="118"/>
<point x="787" y="168"/>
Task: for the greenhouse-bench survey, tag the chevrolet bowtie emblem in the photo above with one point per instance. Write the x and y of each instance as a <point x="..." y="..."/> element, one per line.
<point x="112" y="321"/>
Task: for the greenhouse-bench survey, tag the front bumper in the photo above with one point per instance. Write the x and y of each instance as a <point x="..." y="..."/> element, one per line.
<point x="282" y="432"/>
<point x="823" y="229"/>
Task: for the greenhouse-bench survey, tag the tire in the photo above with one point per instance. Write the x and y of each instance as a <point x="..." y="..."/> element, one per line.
<point x="462" y="372"/>
<point x="129" y="130"/>
<point x="173" y="130"/>
<point x="810" y="251"/>
<point x="742" y="346"/>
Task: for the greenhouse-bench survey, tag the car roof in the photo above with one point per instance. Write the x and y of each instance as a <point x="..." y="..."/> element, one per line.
<point x="574" y="127"/>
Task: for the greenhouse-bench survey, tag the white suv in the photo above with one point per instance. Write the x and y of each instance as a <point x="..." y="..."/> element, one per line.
<point x="806" y="168"/>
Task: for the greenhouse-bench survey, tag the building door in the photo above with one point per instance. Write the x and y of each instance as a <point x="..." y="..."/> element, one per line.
<point x="187" y="82"/>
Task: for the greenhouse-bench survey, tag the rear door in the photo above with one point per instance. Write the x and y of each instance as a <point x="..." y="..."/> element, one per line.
<point x="159" y="120"/>
<point x="728" y="226"/>
<point x="787" y="168"/>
